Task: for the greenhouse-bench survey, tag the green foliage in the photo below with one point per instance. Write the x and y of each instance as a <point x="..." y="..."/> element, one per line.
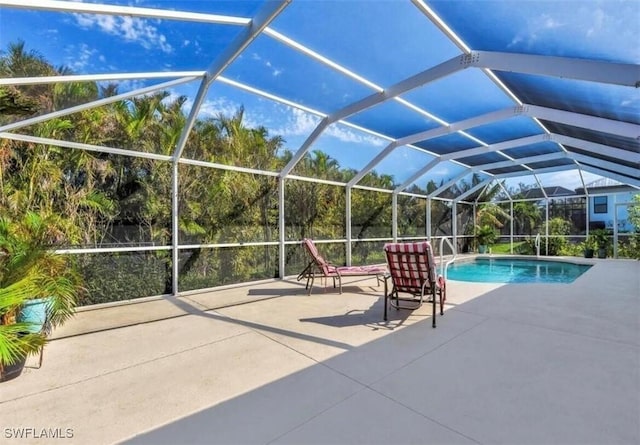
<point x="124" y="276"/>
<point x="601" y="238"/>
<point x="634" y="212"/>
<point x="102" y="200"/>
<point x="573" y="249"/>
<point x="491" y="214"/>
<point x="15" y="103"/>
<point x="557" y="244"/>
<point x="486" y="235"/>
<point x="29" y="270"/>
<point x="490" y="217"/>
<point x="527" y="216"/>
<point x="630" y="248"/>
<point x="526" y="247"/>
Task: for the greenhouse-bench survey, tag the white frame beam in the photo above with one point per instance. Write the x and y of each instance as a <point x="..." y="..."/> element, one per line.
<point x="594" y="147"/>
<point x="228" y="55"/>
<point x="444" y="69"/>
<point x="589" y="160"/>
<point x="131" y="11"/>
<point x="611" y="175"/>
<point x="625" y="74"/>
<point x="86" y="147"/>
<point x="456" y="127"/>
<point x="571" y="118"/>
<point x="98" y="77"/>
<point x="513" y="143"/>
<point x="262" y="19"/>
<point x="538" y="171"/>
<point x="417" y="175"/>
<point x="473" y="189"/>
<point x="449" y="183"/>
<point x="521" y="161"/>
<point x="601" y="124"/>
<point x="94" y="104"/>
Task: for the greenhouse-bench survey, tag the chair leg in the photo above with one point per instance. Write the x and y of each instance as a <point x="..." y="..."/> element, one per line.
<point x="305" y="272"/>
<point x="312" y="277"/>
<point x="386" y="298"/>
<point x="433" y="304"/>
<point x="41" y="356"/>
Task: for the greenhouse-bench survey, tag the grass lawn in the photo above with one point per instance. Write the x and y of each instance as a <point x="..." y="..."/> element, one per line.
<point x="504" y="247"/>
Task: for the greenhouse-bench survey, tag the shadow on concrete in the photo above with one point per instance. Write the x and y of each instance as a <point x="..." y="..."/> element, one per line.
<point x="493" y="371"/>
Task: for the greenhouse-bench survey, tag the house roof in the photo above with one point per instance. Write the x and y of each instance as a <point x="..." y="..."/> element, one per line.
<point x="551" y="192"/>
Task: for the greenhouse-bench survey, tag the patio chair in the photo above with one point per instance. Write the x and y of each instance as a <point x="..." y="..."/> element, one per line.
<point x="412" y="270"/>
<point x="319" y="267"/>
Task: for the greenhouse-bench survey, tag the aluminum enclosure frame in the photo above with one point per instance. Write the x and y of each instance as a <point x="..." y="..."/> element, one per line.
<point x="486" y="61"/>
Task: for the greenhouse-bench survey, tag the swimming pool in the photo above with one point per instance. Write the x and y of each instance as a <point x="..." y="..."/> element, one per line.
<point x="509" y="270"/>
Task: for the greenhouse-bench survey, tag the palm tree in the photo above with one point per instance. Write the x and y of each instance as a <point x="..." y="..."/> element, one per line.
<point x="491" y="214"/>
<point x="526" y="216"/>
<point x="18" y="62"/>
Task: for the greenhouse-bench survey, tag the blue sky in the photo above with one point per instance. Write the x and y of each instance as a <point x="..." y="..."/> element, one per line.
<point x="395" y="43"/>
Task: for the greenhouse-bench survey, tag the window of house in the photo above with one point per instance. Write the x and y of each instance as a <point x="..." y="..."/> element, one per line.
<point x="599" y="204"/>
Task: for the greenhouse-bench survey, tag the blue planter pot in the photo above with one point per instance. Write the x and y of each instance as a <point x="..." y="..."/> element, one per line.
<point x="34" y="312"/>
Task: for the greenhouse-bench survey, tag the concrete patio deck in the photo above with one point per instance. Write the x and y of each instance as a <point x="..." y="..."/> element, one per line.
<point x="516" y="364"/>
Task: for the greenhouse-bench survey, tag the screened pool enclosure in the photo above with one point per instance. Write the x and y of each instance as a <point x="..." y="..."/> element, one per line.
<point x="186" y="145"/>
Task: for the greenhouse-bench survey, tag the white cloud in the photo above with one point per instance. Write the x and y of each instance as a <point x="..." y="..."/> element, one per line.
<point x="347" y="135"/>
<point x="549" y="22"/>
<point x="213" y="108"/>
<point x="631" y="101"/>
<point x="80" y="57"/>
<point x="297" y="123"/>
<point x="267" y="63"/>
<point x="132" y="29"/>
<point x="599" y="18"/>
<point x="127" y="85"/>
<point x="301" y="123"/>
<point x="536" y="26"/>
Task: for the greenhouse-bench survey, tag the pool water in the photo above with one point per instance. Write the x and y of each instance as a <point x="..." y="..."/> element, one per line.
<point x="507" y="270"/>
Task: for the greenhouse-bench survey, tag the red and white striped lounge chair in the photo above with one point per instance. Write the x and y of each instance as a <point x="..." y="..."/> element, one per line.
<point x="319" y="267"/>
<point x="413" y="271"/>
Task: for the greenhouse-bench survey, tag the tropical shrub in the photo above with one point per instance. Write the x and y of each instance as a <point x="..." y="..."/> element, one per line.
<point x="559" y="228"/>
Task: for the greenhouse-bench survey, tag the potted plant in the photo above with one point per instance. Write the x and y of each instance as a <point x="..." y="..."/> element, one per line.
<point x="601" y="240"/>
<point x="485" y="235"/>
<point x="588" y="247"/>
<point x="36" y="285"/>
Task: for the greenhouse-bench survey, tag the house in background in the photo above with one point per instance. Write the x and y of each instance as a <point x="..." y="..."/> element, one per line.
<point x="563" y="203"/>
<point x="608" y="204"/>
